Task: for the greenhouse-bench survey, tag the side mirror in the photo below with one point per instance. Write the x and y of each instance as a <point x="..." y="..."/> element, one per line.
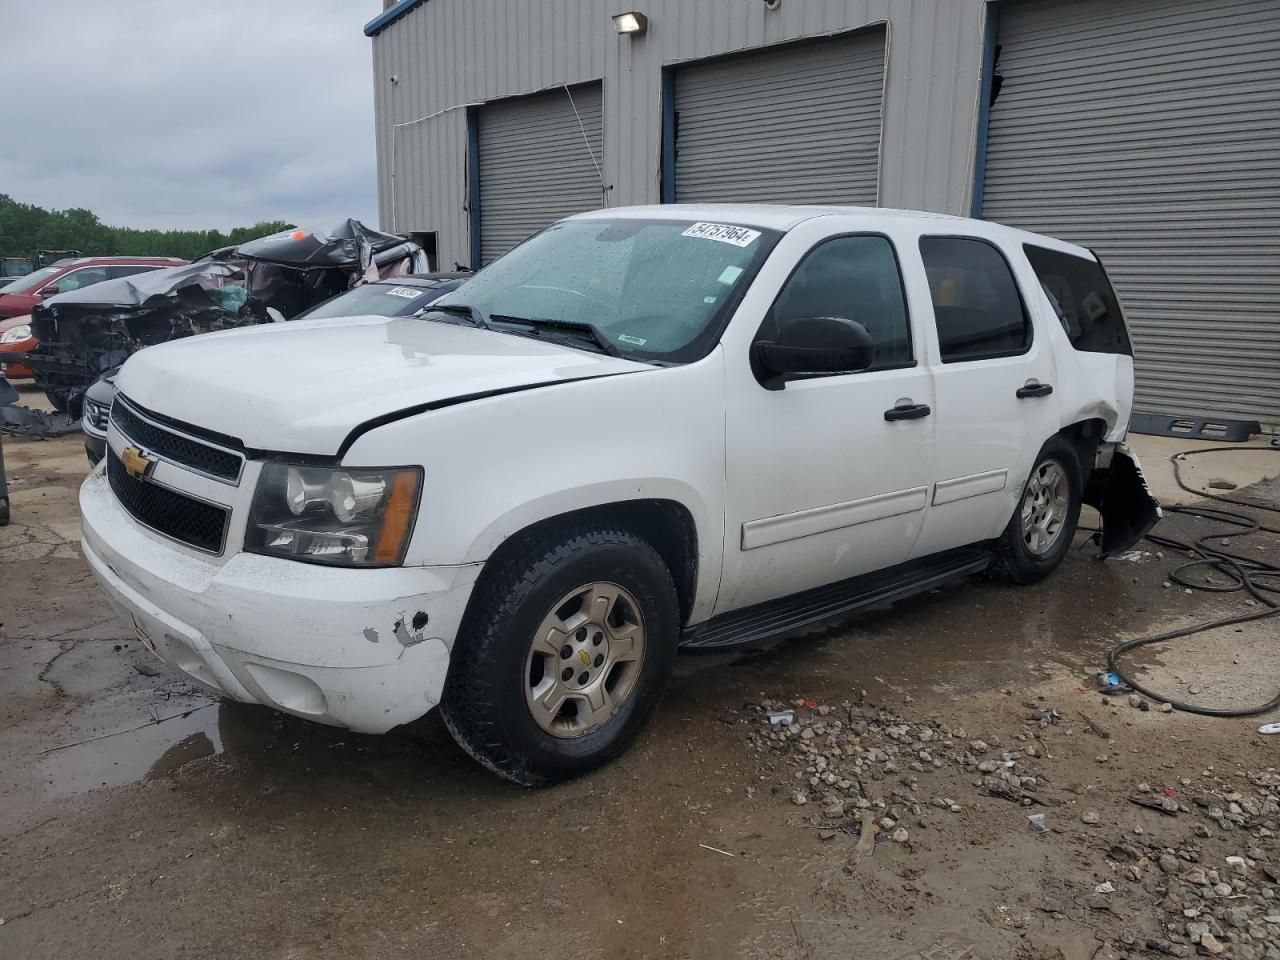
<point x="815" y="345"/>
<point x="49" y="291"/>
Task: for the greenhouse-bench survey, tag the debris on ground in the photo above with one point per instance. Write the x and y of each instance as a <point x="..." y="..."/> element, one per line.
<point x="29" y="422"/>
<point x="1208" y="886"/>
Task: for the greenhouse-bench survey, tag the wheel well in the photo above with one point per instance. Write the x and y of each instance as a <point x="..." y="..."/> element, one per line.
<point x="1085" y="436"/>
<point x="665" y="524"/>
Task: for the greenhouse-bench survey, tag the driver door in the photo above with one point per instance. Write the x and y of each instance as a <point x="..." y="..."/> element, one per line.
<point x="820" y="486"/>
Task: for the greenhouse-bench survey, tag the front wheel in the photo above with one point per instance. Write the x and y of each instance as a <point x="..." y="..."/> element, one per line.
<point x="1040" y="531"/>
<point x="562" y="655"/>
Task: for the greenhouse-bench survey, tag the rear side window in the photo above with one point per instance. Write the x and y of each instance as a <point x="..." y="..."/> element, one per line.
<point x="855" y="277"/>
<point x="976" y="303"/>
<point x="1083" y="299"/>
<point x="129" y="271"/>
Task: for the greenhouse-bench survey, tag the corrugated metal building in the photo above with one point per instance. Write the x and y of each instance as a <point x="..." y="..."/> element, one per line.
<point x="1148" y="130"/>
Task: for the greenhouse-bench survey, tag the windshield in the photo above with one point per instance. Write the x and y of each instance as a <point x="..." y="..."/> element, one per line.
<point x="378" y="299"/>
<point x="32" y="280"/>
<point x="655" y="289"/>
<point x="14" y="268"/>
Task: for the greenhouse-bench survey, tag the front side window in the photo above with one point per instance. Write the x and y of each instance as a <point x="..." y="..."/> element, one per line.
<point x="856" y="278"/>
<point x="655" y="289"/>
<point x="1082" y="298"/>
<point x="79" y="279"/>
<point x="976" y="303"/>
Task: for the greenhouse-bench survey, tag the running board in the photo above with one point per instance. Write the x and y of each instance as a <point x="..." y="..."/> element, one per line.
<point x="788" y="615"/>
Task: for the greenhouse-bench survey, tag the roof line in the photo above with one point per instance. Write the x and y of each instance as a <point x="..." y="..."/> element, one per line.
<point x="390" y="16"/>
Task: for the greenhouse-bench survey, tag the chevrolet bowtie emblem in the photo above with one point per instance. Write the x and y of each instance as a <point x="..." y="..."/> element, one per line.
<point x="136" y="463"/>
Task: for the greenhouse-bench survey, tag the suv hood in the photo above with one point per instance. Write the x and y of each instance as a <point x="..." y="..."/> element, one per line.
<point x="302" y="387"/>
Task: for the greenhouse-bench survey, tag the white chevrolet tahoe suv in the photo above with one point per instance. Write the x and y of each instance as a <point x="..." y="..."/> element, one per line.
<point x="641" y="430"/>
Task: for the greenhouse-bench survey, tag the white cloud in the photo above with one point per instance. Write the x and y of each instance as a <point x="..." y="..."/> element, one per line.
<point x="189" y="114"/>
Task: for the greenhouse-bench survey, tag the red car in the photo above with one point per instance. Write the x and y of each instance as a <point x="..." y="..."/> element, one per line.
<point x="18" y="298"/>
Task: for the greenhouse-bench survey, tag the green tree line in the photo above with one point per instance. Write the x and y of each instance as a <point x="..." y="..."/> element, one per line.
<point x="26" y="228"/>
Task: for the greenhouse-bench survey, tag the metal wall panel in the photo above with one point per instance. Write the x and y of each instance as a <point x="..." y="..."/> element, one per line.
<point x="540" y="161"/>
<point x="448" y="54"/>
<point x="799" y="124"/>
<point x="1152" y="134"/>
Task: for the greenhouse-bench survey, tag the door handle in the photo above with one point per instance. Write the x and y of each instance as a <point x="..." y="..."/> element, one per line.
<point x="906" y="410"/>
<point x="1034" y="390"/>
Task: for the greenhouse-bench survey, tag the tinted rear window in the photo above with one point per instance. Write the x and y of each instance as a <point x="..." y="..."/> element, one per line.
<point x="976" y="303"/>
<point x="1083" y="299"/>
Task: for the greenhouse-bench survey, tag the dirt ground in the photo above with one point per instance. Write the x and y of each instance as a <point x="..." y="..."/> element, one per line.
<point x="139" y="818"/>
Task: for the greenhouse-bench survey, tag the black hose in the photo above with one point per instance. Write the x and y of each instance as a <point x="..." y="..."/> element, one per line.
<point x="1259" y="579"/>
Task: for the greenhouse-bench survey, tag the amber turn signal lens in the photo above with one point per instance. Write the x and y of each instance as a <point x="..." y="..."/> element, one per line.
<point x="398" y="519"/>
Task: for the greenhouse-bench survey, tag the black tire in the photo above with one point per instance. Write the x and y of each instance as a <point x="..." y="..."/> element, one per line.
<point x="1015" y="560"/>
<point x="484" y="703"/>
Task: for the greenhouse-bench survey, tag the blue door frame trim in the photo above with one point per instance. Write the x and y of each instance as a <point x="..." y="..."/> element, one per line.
<point x="668" y="135"/>
<point x="473" y="183"/>
<point x="990" y="38"/>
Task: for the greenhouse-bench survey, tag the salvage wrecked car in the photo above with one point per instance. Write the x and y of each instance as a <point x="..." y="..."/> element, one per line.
<point x="398" y="297"/>
<point x="640" y="430"/>
<point x="86" y="333"/>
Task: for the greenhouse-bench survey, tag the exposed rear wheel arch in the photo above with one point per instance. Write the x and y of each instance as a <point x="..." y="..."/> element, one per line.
<point x="1086" y="436"/>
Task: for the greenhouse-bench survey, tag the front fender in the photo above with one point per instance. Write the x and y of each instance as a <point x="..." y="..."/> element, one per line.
<point x="496" y="465"/>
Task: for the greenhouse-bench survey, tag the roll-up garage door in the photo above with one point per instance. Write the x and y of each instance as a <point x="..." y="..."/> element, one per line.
<point x="539" y="160"/>
<point x="794" y="125"/>
<point x="1151" y="133"/>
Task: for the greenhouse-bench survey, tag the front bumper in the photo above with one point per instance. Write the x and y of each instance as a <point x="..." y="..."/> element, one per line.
<point x="338" y="646"/>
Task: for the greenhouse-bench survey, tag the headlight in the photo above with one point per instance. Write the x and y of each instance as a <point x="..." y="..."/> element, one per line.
<point x="347" y="518"/>
<point x="21" y="332"/>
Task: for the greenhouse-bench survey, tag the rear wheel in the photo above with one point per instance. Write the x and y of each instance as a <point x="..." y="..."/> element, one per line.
<point x="1040" y="531"/>
<point x="562" y="655"/>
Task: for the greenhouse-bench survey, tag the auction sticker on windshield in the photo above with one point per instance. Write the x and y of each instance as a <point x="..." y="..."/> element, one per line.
<point x="724" y="232"/>
<point x="407" y="292"/>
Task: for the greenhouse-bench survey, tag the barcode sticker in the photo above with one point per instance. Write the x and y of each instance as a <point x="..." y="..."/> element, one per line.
<point x="723" y="232"/>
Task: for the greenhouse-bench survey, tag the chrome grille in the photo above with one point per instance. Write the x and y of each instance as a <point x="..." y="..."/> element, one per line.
<point x="186" y="451"/>
<point x="96" y="414"/>
<point x="193" y="522"/>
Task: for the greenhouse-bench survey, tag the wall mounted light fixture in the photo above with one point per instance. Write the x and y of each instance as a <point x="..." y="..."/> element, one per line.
<point x="631" y="23"/>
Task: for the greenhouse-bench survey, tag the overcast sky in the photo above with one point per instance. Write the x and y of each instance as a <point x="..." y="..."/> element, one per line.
<point x="189" y="113"/>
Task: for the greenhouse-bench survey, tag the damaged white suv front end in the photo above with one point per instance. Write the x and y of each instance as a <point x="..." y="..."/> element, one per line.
<point x="295" y="579"/>
<point x="220" y="594"/>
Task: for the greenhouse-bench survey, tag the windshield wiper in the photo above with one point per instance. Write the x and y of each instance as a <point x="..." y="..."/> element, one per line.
<point x="477" y="318"/>
<point x="589" y="330"/>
